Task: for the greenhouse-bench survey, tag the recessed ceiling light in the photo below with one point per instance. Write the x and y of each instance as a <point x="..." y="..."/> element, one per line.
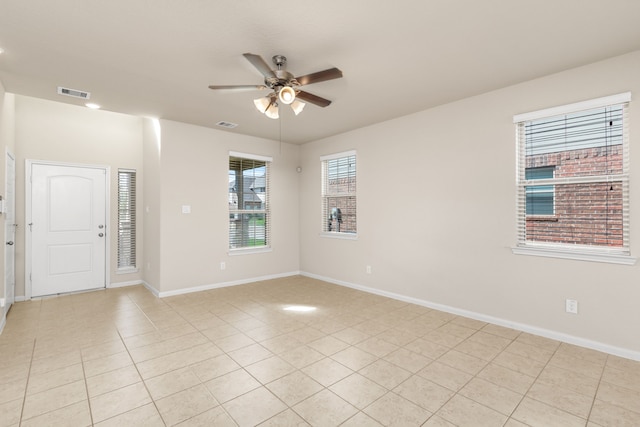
<point x="92" y="106"/>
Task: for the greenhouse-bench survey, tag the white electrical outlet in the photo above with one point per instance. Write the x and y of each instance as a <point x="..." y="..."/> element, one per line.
<point x="223" y="265"/>
<point x="368" y="269"/>
<point x="571" y="306"/>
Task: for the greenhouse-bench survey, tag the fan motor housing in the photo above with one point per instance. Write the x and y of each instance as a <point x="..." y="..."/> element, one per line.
<point x="283" y="78"/>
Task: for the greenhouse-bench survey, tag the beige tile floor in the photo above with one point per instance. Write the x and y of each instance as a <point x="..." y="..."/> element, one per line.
<point x="233" y="356"/>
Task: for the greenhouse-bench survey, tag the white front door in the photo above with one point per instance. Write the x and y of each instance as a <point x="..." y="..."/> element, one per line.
<point x="68" y="228"/>
<point x="10" y="232"/>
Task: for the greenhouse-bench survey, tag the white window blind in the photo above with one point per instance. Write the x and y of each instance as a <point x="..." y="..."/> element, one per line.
<point x="339" y="213"/>
<point x="126" y="219"/>
<point x="573" y="188"/>
<point x="249" y="215"/>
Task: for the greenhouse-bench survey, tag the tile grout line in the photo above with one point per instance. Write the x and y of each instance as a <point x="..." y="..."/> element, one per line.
<point x="250" y="374"/>
<point x="473" y="377"/>
<point x="399" y="384"/>
<point x="595" y="395"/>
<point x="86" y="387"/>
<point x="494" y="358"/>
<point x="84" y="373"/>
<point x="524" y="395"/>
<point x="377" y="359"/>
<point x="135" y="365"/>
<point x="220" y="405"/>
<point x="352" y="373"/>
<point x="173" y="309"/>
<point x="281" y="334"/>
<point x="402" y="382"/>
<point x="536" y="379"/>
<point x="26" y="387"/>
<point x="288" y="407"/>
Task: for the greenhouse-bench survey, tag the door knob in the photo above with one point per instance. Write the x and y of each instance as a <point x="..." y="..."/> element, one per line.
<point x="10" y="243"/>
<point x="100" y="234"/>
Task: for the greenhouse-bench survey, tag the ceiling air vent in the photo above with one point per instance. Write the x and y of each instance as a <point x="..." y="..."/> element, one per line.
<point x="73" y="92"/>
<point x="228" y="125"/>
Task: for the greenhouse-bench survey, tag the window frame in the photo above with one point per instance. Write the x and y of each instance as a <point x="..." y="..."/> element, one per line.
<point x="130" y="212"/>
<point x="324" y="204"/>
<point x="266" y="211"/>
<point x="610" y="254"/>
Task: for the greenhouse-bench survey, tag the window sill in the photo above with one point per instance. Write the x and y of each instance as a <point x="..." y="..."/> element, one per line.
<point x="594" y="256"/>
<point x="249" y="251"/>
<point x="128" y="270"/>
<point x="339" y="235"/>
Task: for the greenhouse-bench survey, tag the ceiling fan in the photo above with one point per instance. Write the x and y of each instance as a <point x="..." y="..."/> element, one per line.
<point x="285" y="87"/>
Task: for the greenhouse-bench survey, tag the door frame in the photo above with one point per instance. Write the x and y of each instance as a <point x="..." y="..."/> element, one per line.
<point x="29" y="163"/>
<point x="4" y="308"/>
<point x="9" y="154"/>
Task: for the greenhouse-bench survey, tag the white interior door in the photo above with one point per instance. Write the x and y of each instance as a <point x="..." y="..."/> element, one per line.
<point x="68" y="228"/>
<point x="10" y="232"/>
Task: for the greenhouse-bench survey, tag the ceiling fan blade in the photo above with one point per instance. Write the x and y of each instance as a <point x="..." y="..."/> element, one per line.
<point x="314" y="99"/>
<point x="238" y="88"/>
<point x="320" y="76"/>
<point x="260" y="64"/>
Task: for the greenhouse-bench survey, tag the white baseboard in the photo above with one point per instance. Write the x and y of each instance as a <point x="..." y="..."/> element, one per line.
<point x="124" y="284"/>
<point x="3" y="322"/>
<point x="151" y="289"/>
<point x="221" y="284"/>
<point x="20" y="299"/>
<point x="555" y="335"/>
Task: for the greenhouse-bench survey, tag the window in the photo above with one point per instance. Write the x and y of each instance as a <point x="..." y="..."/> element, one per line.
<point x="573" y="178"/>
<point x="539" y="197"/>
<point x="339" y="193"/>
<point x="249" y="219"/>
<point x="126" y="219"/>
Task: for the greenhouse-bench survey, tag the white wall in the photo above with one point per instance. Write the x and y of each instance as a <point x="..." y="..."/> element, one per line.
<point x="177" y="164"/>
<point x="52" y="131"/>
<point x="194" y="172"/>
<point x="436" y="214"/>
<point x="152" y="206"/>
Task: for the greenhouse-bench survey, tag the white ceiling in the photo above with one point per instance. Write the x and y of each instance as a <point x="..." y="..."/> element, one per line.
<point x="157" y="57"/>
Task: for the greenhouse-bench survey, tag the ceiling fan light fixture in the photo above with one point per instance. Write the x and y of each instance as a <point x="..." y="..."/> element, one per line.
<point x="297" y="106"/>
<point x="284" y="86"/>
<point x="272" y="111"/>
<point x="287" y="95"/>
<point x="262" y="104"/>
